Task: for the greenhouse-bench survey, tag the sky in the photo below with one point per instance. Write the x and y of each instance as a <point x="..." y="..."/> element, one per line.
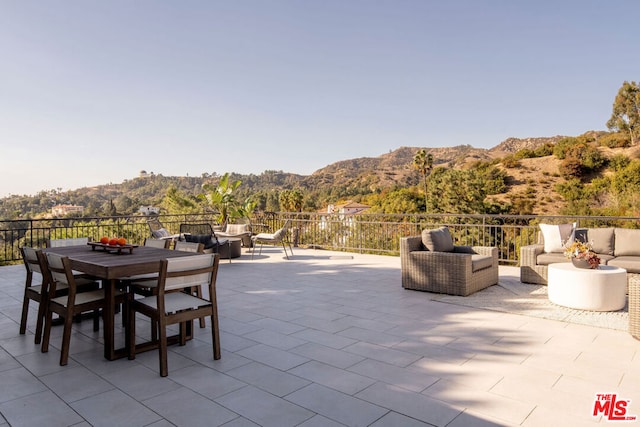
<point x="93" y="92"/>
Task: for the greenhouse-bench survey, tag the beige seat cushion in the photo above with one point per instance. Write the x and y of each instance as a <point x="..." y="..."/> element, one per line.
<point x="480" y="262"/>
<point x="629" y="263"/>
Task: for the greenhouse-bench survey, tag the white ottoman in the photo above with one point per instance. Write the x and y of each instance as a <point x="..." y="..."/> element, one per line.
<point x="602" y="289"/>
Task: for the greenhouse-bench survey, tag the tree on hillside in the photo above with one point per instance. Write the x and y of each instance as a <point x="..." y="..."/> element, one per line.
<point x="177" y="202"/>
<point x="626" y="111"/>
<point x="291" y="200"/>
<point x="424" y="163"/>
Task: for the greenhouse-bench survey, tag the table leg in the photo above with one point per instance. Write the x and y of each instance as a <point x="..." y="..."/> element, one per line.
<point x="109" y="318"/>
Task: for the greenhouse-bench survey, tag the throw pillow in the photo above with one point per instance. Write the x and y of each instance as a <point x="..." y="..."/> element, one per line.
<point x="438" y="240"/>
<point x="205" y="239"/>
<point x="627" y="242"/>
<point x="557" y="235"/>
<point x="160" y="233"/>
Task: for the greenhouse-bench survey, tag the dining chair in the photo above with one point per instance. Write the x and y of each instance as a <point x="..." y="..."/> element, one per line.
<point x="157" y="243"/>
<point x="168" y="307"/>
<point x="59" y="243"/>
<point x="59" y="273"/>
<point x="147" y="285"/>
<point x="34" y="261"/>
<point x="197" y="248"/>
<point x="277" y="237"/>
<point x="36" y="264"/>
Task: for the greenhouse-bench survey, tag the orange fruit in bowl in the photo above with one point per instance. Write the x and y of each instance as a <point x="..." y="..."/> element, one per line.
<point x="122" y="241"/>
<point x="113" y="241"/>
<point x="104" y="240"/>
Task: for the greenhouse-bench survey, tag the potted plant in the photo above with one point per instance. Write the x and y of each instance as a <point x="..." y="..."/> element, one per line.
<point x="582" y="255"/>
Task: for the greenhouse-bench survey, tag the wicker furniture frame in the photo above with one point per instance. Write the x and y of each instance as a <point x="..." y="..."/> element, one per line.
<point x="633" y="306"/>
<point x="445" y="272"/>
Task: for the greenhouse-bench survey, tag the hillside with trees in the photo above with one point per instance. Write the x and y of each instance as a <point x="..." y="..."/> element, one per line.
<point x="596" y="173"/>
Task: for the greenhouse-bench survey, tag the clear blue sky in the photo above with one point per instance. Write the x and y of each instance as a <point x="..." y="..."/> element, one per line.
<point x="93" y="92"/>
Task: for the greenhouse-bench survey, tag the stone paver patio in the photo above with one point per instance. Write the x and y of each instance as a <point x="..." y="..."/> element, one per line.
<point x="324" y="339"/>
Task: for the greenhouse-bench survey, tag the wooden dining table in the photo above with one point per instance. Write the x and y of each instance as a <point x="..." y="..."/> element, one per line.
<point x="111" y="267"/>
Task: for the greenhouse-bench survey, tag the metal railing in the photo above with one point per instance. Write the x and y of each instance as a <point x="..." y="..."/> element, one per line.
<point x="364" y="233"/>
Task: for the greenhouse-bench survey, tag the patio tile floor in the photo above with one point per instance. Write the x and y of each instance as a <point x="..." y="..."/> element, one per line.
<point x="323" y="339"/>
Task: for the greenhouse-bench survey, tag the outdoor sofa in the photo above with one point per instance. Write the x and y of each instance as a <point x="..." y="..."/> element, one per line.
<point x="431" y="262"/>
<point x="619" y="247"/>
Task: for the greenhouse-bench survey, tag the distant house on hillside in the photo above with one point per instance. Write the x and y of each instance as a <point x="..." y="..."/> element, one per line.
<point x="349" y="208"/>
<point x="62" y="210"/>
<point x="149" y="210"/>
<point x="340" y="215"/>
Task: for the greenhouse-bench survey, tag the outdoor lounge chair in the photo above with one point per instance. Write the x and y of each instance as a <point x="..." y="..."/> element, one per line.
<point x="432" y="263"/>
<point x="279" y="237"/>
<point x="158" y="231"/>
<point x="241" y="231"/>
<point x="203" y="233"/>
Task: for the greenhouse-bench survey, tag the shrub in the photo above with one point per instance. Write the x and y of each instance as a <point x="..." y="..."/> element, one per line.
<point x="615" y="140"/>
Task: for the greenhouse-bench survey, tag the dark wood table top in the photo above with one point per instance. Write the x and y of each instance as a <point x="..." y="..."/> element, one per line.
<point x="106" y="265"/>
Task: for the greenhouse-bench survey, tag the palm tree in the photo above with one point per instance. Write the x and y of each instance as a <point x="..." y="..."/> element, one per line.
<point x="424" y="163"/>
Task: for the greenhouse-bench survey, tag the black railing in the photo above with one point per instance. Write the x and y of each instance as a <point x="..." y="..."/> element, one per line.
<point x="364" y="233"/>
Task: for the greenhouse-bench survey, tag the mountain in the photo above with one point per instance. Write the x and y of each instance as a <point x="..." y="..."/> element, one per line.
<point x="534" y="179"/>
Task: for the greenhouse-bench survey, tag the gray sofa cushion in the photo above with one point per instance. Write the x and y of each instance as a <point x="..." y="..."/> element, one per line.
<point x="627" y="242"/>
<point x="438" y="240"/>
<point x="602" y="240"/>
<point x="629" y="263"/>
<point x="546" y="259"/>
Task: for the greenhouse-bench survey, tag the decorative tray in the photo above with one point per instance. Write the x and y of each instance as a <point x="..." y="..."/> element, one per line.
<point x="114" y="249"/>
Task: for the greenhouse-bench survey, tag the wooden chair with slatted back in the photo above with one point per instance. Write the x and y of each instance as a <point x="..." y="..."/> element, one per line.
<point x="169" y="307"/>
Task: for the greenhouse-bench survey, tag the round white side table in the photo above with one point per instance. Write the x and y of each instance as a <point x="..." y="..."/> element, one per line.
<point x="601" y="289"/>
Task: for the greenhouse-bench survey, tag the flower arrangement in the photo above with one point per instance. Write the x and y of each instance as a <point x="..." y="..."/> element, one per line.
<point x="582" y="252"/>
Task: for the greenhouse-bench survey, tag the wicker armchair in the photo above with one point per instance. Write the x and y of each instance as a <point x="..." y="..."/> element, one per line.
<point x="465" y="270"/>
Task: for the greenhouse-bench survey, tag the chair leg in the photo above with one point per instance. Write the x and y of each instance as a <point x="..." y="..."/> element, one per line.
<point x="162" y="349"/>
<point x="199" y="295"/>
<point x="66" y="340"/>
<point x="44" y="347"/>
<point x="25" y="312"/>
<point x="42" y="310"/>
<point x="285" y="250"/>
<point x="215" y="334"/>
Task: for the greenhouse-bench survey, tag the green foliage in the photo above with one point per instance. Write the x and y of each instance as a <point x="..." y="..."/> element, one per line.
<point x="402" y="200"/>
<point x="525" y="153"/>
<point x="510" y="161"/>
<point x="291" y="200"/>
<point x="625" y="116"/>
<point x="456" y="191"/>
<point x="494" y="179"/>
<point x="424" y="163"/>
<point x="627" y="180"/>
<point x="579" y="158"/>
<point x="619" y="162"/>
<point x="544" y="150"/>
<point x="223" y="199"/>
<point x="563" y="145"/>
<point x="177" y="202"/>
<point x="615" y="140"/>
